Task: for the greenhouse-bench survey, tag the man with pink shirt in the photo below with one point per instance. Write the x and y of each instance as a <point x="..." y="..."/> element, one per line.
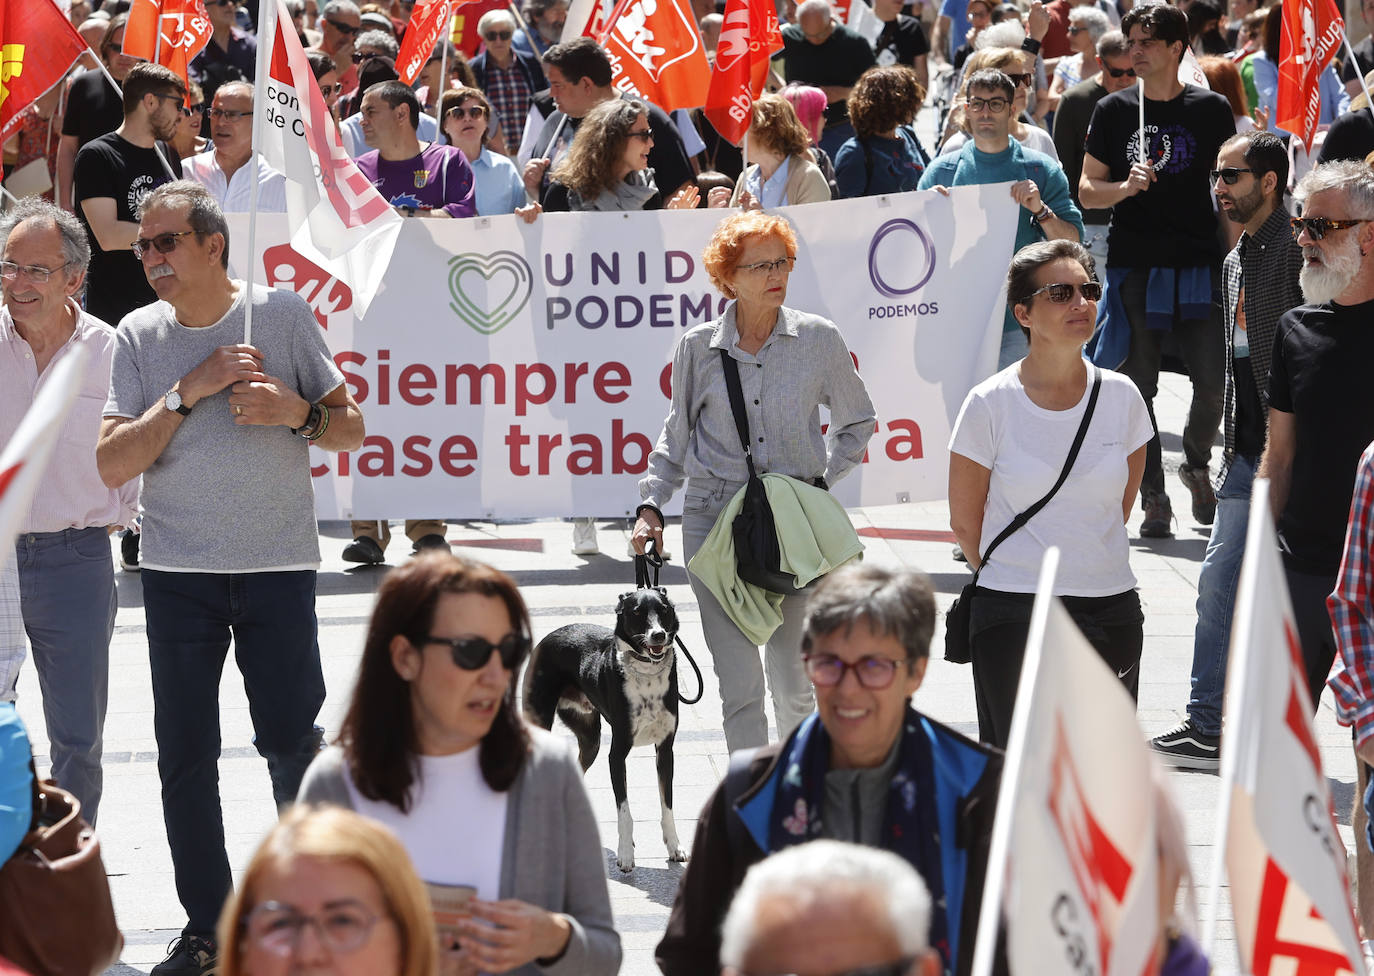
<point x="66" y="573"/>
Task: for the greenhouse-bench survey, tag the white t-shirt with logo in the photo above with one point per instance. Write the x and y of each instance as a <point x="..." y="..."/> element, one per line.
<point x="1025" y="447"/>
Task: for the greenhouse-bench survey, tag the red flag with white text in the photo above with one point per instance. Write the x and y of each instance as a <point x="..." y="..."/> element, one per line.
<point x="186" y="29"/>
<point x="1284" y="857"/>
<point x="38" y="46"/>
<point x="426" y="26"/>
<point x="748" y="37"/>
<point x="1312" y="34"/>
<point x="656" y="53"/>
<point x="342" y="224"/>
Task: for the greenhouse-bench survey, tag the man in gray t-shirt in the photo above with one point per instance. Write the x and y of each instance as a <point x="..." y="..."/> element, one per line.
<point x="220" y="431"/>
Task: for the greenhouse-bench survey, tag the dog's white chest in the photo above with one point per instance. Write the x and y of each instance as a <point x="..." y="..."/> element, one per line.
<point x="650" y="720"/>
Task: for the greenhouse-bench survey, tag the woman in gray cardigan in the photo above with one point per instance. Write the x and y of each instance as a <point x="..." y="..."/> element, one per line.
<point x="492" y="812"/>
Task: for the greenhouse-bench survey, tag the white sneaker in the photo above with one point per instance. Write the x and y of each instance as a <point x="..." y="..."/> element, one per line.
<point x="584" y="537"/>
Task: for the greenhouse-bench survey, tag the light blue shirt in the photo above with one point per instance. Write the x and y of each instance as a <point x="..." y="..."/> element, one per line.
<point x="351" y="133"/>
<point x="499" y="186"/>
<point x="771" y="192"/>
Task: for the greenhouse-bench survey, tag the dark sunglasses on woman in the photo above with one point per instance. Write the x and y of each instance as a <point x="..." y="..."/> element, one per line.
<point x="473" y="653"/>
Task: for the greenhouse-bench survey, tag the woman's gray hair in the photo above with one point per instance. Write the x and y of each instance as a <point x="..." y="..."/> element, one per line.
<point x="76" y="246"/>
<point x="1090" y="17"/>
<point x="1008" y="33"/>
<point x="1031" y="258"/>
<point x="494" y="18"/>
<point x="896" y="603"/>
<point x="810" y="872"/>
<point x="378" y="39"/>
<point x="1355" y="178"/>
<point x="202" y="212"/>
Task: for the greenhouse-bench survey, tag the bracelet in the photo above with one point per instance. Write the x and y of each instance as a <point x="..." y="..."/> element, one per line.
<point x="1030" y="45"/>
<point x="1045" y="214"/>
<point x="653" y="508"/>
<point x="318" y="432"/>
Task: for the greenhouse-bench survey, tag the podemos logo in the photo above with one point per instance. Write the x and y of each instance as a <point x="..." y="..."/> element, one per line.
<point x="901" y="260"/>
<point x="489" y="290"/>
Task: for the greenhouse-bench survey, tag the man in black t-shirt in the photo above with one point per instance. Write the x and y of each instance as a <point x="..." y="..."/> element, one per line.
<point x="903" y="39"/>
<point x="113" y="175"/>
<point x="1163" y="256"/>
<point x="93" y="106"/>
<point x="1319" y="421"/>
<point x="820" y="52"/>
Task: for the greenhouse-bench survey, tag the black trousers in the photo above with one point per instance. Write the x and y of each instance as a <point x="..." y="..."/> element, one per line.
<point x="1308" y="592"/>
<point x="999" y="624"/>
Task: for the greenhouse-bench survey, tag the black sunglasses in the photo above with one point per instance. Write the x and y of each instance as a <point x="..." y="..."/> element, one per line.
<point x="498" y="35"/>
<point x="1229" y="175"/>
<point x="1318" y="227"/>
<point x="195" y="109"/>
<point x="473" y="653"/>
<point x="360" y="58"/>
<point x="1061" y="292"/>
<point x="347" y="29"/>
<point x="1120" y="72"/>
<point x="162" y="243"/>
<point x="1021" y="80"/>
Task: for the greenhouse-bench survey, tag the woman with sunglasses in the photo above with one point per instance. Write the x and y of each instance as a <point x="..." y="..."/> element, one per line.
<point x="434" y="747"/>
<point x="1011" y="440"/>
<point x="1019" y="66"/>
<point x="188" y="141"/>
<point x="1086" y="27"/>
<point x="465" y="118"/>
<point x="507" y="76"/>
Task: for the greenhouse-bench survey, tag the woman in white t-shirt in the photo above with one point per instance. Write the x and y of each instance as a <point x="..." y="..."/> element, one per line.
<point x="492" y="812"/>
<point x="1010" y="442"/>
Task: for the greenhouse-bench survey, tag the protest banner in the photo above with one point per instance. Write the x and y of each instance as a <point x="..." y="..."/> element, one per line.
<point x="509" y="369"/>
<point x="1074" y="861"/>
<point x="1284" y="857"/>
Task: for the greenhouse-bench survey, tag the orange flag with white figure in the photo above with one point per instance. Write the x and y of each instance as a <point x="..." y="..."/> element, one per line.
<point x="656" y="52"/>
<point x="1312" y="34"/>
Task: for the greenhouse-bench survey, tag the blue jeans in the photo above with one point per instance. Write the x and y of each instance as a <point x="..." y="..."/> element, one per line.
<point x="68" y="601"/>
<point x="1216" y="595"/>
<point x="191" y="617"/>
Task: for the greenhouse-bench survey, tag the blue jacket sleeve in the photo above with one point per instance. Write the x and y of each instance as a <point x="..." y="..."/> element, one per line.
<point x="851" y="176"/>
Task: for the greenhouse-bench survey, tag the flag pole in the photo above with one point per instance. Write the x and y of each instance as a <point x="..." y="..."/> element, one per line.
<point x="447" y="39"/>
<point x="8" y="195"/>
<point x="120" y="92"/>
<point x="1350" y="51"/>
<point x="620" y="8"/>
<point x="520" y="19"/>
<point x="267" y="29"/>
<point x="1141" y="154"/>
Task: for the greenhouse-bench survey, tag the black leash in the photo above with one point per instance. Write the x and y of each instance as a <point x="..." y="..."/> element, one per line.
<point x="650" y="560"/>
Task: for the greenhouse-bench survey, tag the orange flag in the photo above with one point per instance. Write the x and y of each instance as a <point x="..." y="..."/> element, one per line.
<point x="749" y="35"/>
<point x="1312" y="33"/>
<point x="185" y="32"/>
<point x="657" y="53"/>
<point x="38" y="46"/>
<point x="423" y="31"/>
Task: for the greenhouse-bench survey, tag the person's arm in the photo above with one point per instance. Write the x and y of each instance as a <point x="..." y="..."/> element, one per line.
<point x="111" y="233"/>
<point x="921" y="66"/>
<point x="1276" y="463"/>
<point x="968" y="499"/>
<point x="1351" y="606"/>
<point x="460" y="188"/>
<point x="691" y="942"/>
<point x="939" y="39"/>
<point x="1098" y="191"/>
<point x="852" y="416"/>
<point x="851" y="174"/>
<point x="1057" y="223"/>
<point x="1135" y="473"/>
<point x="270" y="402"/>
<point x="66" y="165"/>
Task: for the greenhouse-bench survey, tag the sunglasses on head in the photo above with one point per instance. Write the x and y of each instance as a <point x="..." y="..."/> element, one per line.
<point x="1061" y="292"/>
<point x="473" y="653"/>
<point x="1120" y="72"/>
<point x="1229" y="174"/>
<point x="472" y="112"/>
<point x="1318" y="227"/>
<point x="498" y="35"/>
<point x="162" y="243"/>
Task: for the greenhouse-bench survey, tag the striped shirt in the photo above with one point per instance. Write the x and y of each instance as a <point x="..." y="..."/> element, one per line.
<point x="1352" y="610"/>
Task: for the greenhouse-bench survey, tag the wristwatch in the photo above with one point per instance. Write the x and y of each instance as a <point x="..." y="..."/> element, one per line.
<point x="173" y="401"/>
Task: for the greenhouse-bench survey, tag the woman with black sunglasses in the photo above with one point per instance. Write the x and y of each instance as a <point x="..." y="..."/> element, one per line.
<point x="492" y="812"/>
<point x="1011" y="441"/>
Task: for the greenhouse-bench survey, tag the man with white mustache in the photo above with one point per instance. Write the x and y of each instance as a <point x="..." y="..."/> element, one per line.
<point x="1320" y="419"/>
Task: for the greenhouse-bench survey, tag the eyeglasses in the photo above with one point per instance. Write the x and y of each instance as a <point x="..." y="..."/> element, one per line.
<point x="346" y="29"/>
<point x="34" y="272"/>
<point x="1120" y="72"/>
<point x="1062" y="292"/>
<point x="897" y="968"/>
<point x="190" y="110"/>
<point x="1076" y="30"/>
<point x="232" y="116"/>
<point x="997" y="104"/>
<point x="1022" y="80"/>
<point x="1229" y="175"/>
<point x="162" y="243"/>
<point x="472" y="112"/>
<point x="472" y="653"/>
<point x="497" y="35"/>
<point x="328" y="91"/>
<point x="276" y="927"/>
<point x="768" y="267"/>
<point x="873" y="672"/>
<point x="161" y="97"/>
<point x="1318" y="227"/>
<point x="645" y="135"/>
<point x="359" y="57"/>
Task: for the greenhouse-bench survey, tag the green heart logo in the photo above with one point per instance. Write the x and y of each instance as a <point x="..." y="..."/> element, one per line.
<point x="489" y="290"/>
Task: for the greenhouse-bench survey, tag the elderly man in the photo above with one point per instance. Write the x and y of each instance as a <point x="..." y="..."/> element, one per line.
<point x="231" y="54"/>
<point x="508" y="77"/>
<point x="819" y="51"/>
<point x="226" y="170"/>
<point x="845" y="773"/>
<point x="547" y="18"/>
<point x="220" y="431"/>
<point x="63" y="548"/>
<point x="830" y="908"/>
<point x="339" y="23"/>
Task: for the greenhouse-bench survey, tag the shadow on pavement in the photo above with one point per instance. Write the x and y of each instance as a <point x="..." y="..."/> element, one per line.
<point x="660" y="884"/>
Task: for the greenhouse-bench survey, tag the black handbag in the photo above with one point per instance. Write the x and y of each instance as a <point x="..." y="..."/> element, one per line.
<point x="757" y="556"/>
<point x="958" y="640"/>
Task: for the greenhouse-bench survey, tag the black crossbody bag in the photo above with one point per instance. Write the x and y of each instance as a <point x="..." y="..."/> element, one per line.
<point x="958" y="640"/>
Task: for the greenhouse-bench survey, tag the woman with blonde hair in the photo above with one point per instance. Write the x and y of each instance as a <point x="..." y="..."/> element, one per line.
<point x="781" y="170"/>
<point x="1019" y="66"/>
<point x="347" y="879"/>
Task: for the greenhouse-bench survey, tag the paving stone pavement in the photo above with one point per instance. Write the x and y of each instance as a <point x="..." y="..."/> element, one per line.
<point x="562" y="588"/>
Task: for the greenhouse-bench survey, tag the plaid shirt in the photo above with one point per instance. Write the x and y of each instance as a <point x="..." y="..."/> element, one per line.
<point x="1352" y="610"/>
<point x="509" y="95"/>
<point x="1267" y="264"/>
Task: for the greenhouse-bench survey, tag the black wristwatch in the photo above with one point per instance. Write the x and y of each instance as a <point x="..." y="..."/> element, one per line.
<point x="1030" y="45"/>
<point x="312" y="422"/>
<point x="173" y="401"/>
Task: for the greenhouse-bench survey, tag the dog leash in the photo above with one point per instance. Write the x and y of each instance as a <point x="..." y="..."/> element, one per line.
<point x="649" y="563"/>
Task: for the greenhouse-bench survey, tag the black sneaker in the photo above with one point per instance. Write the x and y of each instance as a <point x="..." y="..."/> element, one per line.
<point x="1188" y="747"/>
<point x="1200" y="487"/>
<point x="433" y="541"/>
<point x="188" y="955"/>
<point x="128" y="551"/>
<point x="365" y="550"/>
<point x="1159" y="517"/>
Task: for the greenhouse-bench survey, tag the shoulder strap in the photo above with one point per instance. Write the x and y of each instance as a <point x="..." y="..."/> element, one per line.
<point x="737" y="405"/>
<point x="1030" y="513"/>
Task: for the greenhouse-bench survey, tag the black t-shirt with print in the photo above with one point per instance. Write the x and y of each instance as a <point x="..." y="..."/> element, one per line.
<point x="111" y="166"/>
<point x="902" y="41"/>
<point x="1171" y="224"/>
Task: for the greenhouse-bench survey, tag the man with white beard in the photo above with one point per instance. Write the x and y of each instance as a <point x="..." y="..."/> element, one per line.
<point x="1321" y="417"/>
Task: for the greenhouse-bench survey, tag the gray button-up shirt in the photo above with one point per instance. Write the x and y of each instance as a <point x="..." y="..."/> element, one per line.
<point x="802" y="365"/>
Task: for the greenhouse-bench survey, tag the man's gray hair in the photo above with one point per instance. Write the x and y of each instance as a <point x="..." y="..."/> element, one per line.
<point x="897" y="603"/>
<point x="235" y="88"/>
<point x="807" y="873"/>
<point x="1090" y="17"/>
<point x="1008" y="33"/>
<point x="815" y="7"/>
<point x="1356" y="178"/>
<point x="202" y="212"/>
<point x="495" y="18"/>
<point x="76" y="246"/>
<point x="1111" y="44"/>
<point x="340" y="7"/>
<point x="378" y="40"/>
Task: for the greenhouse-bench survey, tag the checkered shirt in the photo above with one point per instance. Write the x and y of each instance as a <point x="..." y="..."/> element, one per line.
<point x="509" y="95"/>
<point x="1352" y="610"/>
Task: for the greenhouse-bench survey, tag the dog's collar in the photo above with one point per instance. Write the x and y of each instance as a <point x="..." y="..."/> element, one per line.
<point x="638" y="656"/>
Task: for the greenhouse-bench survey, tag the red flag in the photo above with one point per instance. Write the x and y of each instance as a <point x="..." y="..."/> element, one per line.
<point x="185" y="31"/>
<point x="140" y="32"/>
<point x="656" y="53"/>
<point x="747" y="38"/>
<point x="423" y="31"/>
<point x="38" y="46"/>
<point x="1312" y="33"/>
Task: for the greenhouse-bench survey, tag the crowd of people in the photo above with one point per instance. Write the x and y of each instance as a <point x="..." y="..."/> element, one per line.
<point x="1203" y="233"/>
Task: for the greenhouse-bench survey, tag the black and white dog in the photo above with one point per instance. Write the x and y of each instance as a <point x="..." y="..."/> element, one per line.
<point x="584" y="672"/>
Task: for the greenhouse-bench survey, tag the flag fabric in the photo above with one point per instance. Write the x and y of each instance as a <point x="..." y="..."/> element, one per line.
<point x="748" y="36"/>
<point x="1190" y="72"/>
<point x="38" y="46"/>
<point x="861" y="19"/>
<point x="1076" y="823"/>
<point x="185" y="28"/>
<point x="426" y="26"/>
<point x="656" y="52"/>
<point x="1312" y="34"/>
<point x="1284" y="857"/>
<point x="463" y="24"/>
<point x="25" y="457"/>
<point x="342" y="223"/>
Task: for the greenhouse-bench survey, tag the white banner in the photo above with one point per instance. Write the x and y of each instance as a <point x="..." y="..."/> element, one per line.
<point x="510" y="370"/>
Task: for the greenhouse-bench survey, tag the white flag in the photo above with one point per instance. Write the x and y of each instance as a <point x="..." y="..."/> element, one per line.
<point x="1075" y="824"/>
<point x="1285" y="860"/>
<point x="25" y="457"/>
<point x="342" y="223"/>
<point x="1190" y="72"/>
<point x="863" y="21"/>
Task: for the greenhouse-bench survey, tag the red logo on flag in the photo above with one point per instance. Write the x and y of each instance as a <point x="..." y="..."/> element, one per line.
<point x="1312" y="33"/>
<point x="656" y="51"/>
<point x="185" y="30"/>
<point x="426" y="26"/>
<point x="747" y="38"/>
<point x="1285" y="939"/>
<point x="38" y="45"/>
<point x="324" y="293"/>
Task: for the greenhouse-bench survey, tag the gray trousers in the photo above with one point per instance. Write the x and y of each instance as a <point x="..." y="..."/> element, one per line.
<point x="67" y="593"/>
<point x="738" y="669"/>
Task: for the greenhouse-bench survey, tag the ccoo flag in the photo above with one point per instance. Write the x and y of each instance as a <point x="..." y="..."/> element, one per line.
<point x="1312" y="33"/>
<point x="748" y="37"/>
<point x="342" y="223"/>
<point x="38" y="46"/>
<point x="1284" y="857"/>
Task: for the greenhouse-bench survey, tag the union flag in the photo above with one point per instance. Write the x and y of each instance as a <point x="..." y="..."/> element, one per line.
<point x="655" y="49"/>
<point x="38" y="46"/>
<point x="1312" y="34"/>
<point x="185" y="30"/>
<point x="748" y="37"/>
<point x="423" y="31"/>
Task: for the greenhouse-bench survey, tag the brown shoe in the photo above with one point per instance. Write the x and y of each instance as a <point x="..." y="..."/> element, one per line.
<point x="1159" y="517"/>
<point x="1199" y="485"/>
